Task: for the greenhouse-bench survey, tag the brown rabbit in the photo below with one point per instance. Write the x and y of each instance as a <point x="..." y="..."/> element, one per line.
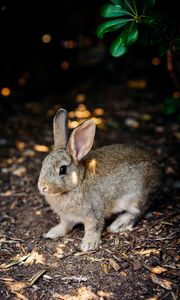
<point x="87" y="187"/>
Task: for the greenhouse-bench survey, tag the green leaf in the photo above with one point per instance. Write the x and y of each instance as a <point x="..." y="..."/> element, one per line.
<point x="162" y="49"/>
<point x="118" y="47"/>
<point x="176" y="44"/>
<point x="109" y="10"/>
<point x="130" y="34"/>
<point x="111" y="26"/>
<point x="171" y="105"/>
<point x="117" y="2"/>
<point x="150" y="21"/>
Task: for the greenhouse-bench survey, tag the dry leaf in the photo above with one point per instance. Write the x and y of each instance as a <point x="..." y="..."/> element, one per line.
<point x="105" y="295"/>
<point x="132" y="123"/>
<point x="114" y="264"/>
<point x="105" y="268"/>
<point x="21" y="171"/>
<point x="16" y="261"/>
<point x="123" y="274"/>
<point x="84" y="293"/>
<point x="35" y="277"/>
<point x="147" y="251"/>
<point x="34" y="257"/>
<point x="20" y="296"/>
<point x="158" y="270"/>
<point x="164" y="283"/>
<point x="6" y="279"/>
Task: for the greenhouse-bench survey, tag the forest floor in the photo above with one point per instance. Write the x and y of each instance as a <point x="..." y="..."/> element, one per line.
<point x="140" y="264"/>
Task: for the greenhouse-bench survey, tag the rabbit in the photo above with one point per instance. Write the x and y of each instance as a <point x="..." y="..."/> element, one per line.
<point x="83" y="186"/>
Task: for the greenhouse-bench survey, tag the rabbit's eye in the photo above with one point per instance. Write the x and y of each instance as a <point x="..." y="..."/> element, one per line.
<point x="62" y="170"/>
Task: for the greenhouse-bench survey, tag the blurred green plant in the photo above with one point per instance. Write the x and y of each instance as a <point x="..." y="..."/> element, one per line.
<point x="172" y="105"/>
<point x="139" y="22"/>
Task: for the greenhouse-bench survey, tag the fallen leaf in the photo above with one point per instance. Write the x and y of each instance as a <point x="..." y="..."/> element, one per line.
<point x="105" y="268"/>
<point x="16" y="261"/>
<point x="123" y="274"/>
<point x="34" y="257"/>
<point x="147" y="251"/>
<point x="20" y="171"/>
<point x="158" y="270"/>
<point x="132" y="123"/>
<point x="84" y="293"/>
<point x="105" y="295"/>
<point x="35" y="277"/>
<point x="20" y="296"/>
<point x="164" y="283"/>
<point x="6" y="279"/>
<point x="114" y="264"/>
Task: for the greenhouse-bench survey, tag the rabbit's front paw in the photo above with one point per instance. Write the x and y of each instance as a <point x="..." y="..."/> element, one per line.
<point x="55" y="232"/>
<point x="90" y="243"/>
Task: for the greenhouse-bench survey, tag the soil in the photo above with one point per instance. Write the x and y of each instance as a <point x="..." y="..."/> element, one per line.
<point x="139" y="264"/>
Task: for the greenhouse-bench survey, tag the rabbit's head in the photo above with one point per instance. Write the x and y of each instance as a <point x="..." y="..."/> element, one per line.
<point x="62" y="169"/>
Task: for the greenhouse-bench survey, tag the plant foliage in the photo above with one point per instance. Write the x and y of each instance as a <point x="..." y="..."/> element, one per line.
<point x="138" y="21"/>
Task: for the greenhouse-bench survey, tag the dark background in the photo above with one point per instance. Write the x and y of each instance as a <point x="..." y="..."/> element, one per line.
<point x="30" y="67"/>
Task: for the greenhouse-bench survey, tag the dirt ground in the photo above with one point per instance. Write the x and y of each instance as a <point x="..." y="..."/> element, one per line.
<point x="141" y="264"/>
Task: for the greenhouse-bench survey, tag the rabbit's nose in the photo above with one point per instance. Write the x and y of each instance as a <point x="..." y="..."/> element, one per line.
<point x="44" y="189"/>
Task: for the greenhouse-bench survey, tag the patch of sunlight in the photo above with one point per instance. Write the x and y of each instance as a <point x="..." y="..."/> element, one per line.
<point x="72" y="124"/>
<point x="80" y="98"/>
<point x="35" y="258"/>
<point x="139" y="84"/>
<point x="74" y="177"/>
<point x="20" y="145"/>
<point x="65" y="65"/>
<point x="40" y="148"/>
<point x="82" y="114"/>
<point x="84" y="293"/>
<point x="59" y="250"/>
<point x="92" y="166"/>
<point x="5" y="91"/>
<point x="46" y="38"/>
<point x="16" y="286"/>
<point x="156" y="61"/>
<point x="99" y="111"/>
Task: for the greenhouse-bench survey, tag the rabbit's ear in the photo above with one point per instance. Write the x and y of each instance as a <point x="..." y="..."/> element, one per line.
<point x="81" y="140"/>
<point x="60" y="129"/>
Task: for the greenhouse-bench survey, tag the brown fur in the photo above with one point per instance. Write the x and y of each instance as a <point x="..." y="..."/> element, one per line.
<point x="116" y="179"/>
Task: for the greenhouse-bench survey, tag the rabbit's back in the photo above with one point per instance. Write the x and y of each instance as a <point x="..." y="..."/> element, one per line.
<point x="121" y="172"/>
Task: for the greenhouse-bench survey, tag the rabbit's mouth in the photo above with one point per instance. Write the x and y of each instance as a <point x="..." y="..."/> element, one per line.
<point x="46" y="190"/>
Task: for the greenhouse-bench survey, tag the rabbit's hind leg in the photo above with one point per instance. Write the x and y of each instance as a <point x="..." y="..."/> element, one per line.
<point x="130" y="215"/>
<point x="123" y="222"/>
